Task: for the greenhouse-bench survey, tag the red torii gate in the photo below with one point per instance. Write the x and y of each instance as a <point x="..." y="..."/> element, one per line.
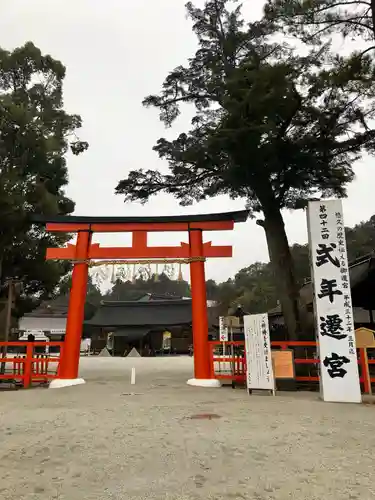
<point x="84" y="251"/>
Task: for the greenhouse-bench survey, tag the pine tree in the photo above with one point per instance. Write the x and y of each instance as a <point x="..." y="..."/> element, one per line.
<point x="35" y="136"/>
<point x="271" y="127"/>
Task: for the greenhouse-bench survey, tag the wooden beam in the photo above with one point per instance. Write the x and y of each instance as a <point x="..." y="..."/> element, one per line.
<point x="97" y="252"/>
<point x="65" y="253"/>
<point x="212" y="251"/>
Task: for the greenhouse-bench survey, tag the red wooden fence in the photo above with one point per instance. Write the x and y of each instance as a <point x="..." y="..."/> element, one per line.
<point x="29" y="366"/>
<point x="237" y="361"/>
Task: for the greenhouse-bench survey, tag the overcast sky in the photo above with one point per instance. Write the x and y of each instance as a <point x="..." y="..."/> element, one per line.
<point x="116" y="52"/>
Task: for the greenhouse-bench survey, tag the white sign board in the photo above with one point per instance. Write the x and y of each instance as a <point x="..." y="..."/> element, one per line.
<point x="339" y="379"/>
<point x="38" y="334"/>
<point x="223" y="330"/>
<point x="259" y="372"/>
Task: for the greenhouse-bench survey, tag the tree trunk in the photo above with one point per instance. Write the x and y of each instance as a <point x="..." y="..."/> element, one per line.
<point x="282" y="266"/>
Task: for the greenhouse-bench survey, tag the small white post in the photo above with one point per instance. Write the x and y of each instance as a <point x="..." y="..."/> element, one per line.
<point x="132" y="378"/>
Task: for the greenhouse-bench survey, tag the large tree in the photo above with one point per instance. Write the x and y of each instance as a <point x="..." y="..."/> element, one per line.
<point x="255" y="288"/>
<point x="271" y="127"/>
<point x="35" y="136"/>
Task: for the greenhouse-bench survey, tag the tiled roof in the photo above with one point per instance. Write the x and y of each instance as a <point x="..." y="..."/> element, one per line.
<point x="138" y="313"/>
<point x="57" y="308"/>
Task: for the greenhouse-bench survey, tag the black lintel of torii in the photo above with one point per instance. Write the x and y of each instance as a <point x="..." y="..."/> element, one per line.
<point x="237" y="216"/>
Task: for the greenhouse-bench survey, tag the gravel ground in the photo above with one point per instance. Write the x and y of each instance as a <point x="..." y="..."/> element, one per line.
<point x="110" y="440"/>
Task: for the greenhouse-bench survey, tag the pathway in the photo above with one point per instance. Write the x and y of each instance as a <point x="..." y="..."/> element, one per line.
<point x="101" y="442"/>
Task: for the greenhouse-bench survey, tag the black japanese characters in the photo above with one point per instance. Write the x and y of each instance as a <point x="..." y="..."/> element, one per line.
<point x="331" y="326"/>
<point x="328" y="289"/>
<point x="334" y="364"/>
<point x="324" y="254"/>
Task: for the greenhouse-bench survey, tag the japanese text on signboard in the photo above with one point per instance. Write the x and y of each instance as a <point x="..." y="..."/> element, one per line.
<point x="333" y="308"/>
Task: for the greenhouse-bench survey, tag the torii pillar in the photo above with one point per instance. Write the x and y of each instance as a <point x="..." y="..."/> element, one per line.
<point x="202" y="371"/>
<point x="196" y="251"/>
<point x="69" y="363"/>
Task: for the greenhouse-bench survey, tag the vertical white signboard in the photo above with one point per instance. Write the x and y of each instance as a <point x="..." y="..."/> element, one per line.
<point x="339" y="380"/>
<point x="258" y="352"/>
<point x="223" y="330"/>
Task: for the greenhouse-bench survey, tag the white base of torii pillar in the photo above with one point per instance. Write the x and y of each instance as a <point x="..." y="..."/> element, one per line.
<point x="203" y="382"/>
<point x="59" y="383"/>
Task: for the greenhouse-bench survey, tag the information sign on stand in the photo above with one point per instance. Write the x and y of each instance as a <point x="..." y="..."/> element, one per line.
<point x="223" y="330"/>
<point x="259" y="370"/>
<point x="339" y="380"/>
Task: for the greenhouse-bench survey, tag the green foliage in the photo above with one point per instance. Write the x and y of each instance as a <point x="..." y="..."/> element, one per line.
<point x="316" y="20"/>
<point x="93" y="294"/>
<point x="35" y="136"/>
<point x="360" y="239"/>
<point x="253" y="287"/>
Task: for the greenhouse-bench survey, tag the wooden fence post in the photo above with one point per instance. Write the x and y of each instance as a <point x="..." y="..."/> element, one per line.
<point x="27" y="367"/>
<point x="363" y="359"/>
